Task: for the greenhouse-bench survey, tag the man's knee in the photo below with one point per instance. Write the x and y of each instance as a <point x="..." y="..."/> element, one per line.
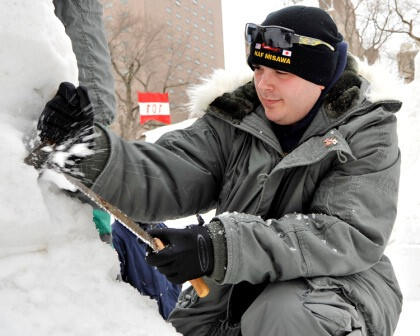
<point x="292" y="308"/>
<point x="278" y="306"/>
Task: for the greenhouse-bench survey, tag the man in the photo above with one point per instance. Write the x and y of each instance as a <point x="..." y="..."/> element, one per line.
<point x="303" y="170"/>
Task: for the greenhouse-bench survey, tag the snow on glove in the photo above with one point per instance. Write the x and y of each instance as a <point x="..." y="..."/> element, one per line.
<point x="67" y="122"/>
<point x="69" y="115"/>
<point x="188" y="253"/>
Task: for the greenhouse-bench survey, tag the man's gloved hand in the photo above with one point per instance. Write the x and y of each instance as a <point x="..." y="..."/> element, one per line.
<point x="68" y="116"/>
<point x="188" y="253"/>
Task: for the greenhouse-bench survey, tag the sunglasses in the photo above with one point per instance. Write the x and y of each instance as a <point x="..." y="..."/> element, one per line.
<point x="279" y="37"/>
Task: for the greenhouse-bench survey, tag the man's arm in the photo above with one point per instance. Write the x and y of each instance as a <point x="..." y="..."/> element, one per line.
<point x="179" y="175"/>
<point x="82" y="20"/>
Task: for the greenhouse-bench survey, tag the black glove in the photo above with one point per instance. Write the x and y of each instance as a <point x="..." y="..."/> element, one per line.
<point x="188" y="253"/>
<point x="68" y="116"/>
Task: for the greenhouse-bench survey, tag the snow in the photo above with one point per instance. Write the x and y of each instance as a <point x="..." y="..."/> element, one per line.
<point x="56" y="276"/>
<point x="404" y="247"/>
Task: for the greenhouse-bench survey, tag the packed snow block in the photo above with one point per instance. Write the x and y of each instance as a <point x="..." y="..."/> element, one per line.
<point x="36" y="55"/>
<point x="56" y="276"/>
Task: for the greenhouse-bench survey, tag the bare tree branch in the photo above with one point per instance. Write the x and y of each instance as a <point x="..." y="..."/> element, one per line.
<point x="143" y="59"/>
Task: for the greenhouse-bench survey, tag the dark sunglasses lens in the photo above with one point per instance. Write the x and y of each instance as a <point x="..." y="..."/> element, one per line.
<point x="277" y="38"/>
<point x="251" y="32"/>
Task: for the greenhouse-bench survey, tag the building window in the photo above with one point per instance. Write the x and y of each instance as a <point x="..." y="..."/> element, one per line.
<point x="168" y="10"/>
<point x="195" y="2"/>
<point x="178" y="2"/>
<point x="178" y="15"/>
<point x="178" y="28"/>
<point x="124" y="1"/>
<point x="187" y="20"/>
<point x="108" y="5"/>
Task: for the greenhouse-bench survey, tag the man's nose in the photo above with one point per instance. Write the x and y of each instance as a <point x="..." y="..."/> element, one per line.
<point x="266" y="81"/>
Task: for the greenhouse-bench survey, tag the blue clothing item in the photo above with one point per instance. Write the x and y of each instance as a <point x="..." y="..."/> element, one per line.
<point x="138" y="273"/>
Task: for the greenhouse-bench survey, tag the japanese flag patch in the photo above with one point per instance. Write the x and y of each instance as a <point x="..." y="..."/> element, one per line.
<point x="287" y="53"/>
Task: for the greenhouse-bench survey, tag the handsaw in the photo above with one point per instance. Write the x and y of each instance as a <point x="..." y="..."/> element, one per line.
<point x="38" y="156"/>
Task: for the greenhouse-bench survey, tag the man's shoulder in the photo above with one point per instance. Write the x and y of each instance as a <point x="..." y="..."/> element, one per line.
<point x="235" y="105"/>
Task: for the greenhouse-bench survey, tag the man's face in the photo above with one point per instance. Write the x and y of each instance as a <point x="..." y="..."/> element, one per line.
<point x="285" y="97"/>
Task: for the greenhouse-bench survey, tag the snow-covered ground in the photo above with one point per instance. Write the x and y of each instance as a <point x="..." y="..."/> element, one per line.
<point x="56" y="277"/>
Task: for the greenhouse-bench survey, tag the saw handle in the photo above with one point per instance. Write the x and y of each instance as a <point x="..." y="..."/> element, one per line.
<point x="199" y="285"/>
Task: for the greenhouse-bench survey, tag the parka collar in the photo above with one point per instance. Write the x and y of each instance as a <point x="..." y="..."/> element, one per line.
<point x="345" y="98"/>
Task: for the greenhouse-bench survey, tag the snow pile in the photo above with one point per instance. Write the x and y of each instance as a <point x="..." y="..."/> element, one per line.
<point x="37" y="58"/>
<point x="56" y="276"/>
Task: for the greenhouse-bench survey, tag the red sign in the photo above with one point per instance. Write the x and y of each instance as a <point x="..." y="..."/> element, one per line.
<point x="154" y="106"/>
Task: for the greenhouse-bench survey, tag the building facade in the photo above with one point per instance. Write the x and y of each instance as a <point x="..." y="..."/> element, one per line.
<point x="191" y="30"/>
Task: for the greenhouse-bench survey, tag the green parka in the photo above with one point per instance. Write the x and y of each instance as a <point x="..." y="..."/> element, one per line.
<point x="323" y="212"/>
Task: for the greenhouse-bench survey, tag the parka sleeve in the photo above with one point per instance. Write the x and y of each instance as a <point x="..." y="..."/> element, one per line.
<point x="179" y="175"/>
<point x="348" y="224"/>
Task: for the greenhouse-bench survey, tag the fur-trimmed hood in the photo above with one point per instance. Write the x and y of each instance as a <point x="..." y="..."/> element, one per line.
<point x="234" y="95"/>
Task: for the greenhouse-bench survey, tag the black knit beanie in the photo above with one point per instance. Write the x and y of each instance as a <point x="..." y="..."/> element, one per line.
<point x="314" y="63"/>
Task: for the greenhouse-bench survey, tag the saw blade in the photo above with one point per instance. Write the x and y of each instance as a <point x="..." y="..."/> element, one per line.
<point x="38" y="157"/>
<point x="114" y="211"/>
